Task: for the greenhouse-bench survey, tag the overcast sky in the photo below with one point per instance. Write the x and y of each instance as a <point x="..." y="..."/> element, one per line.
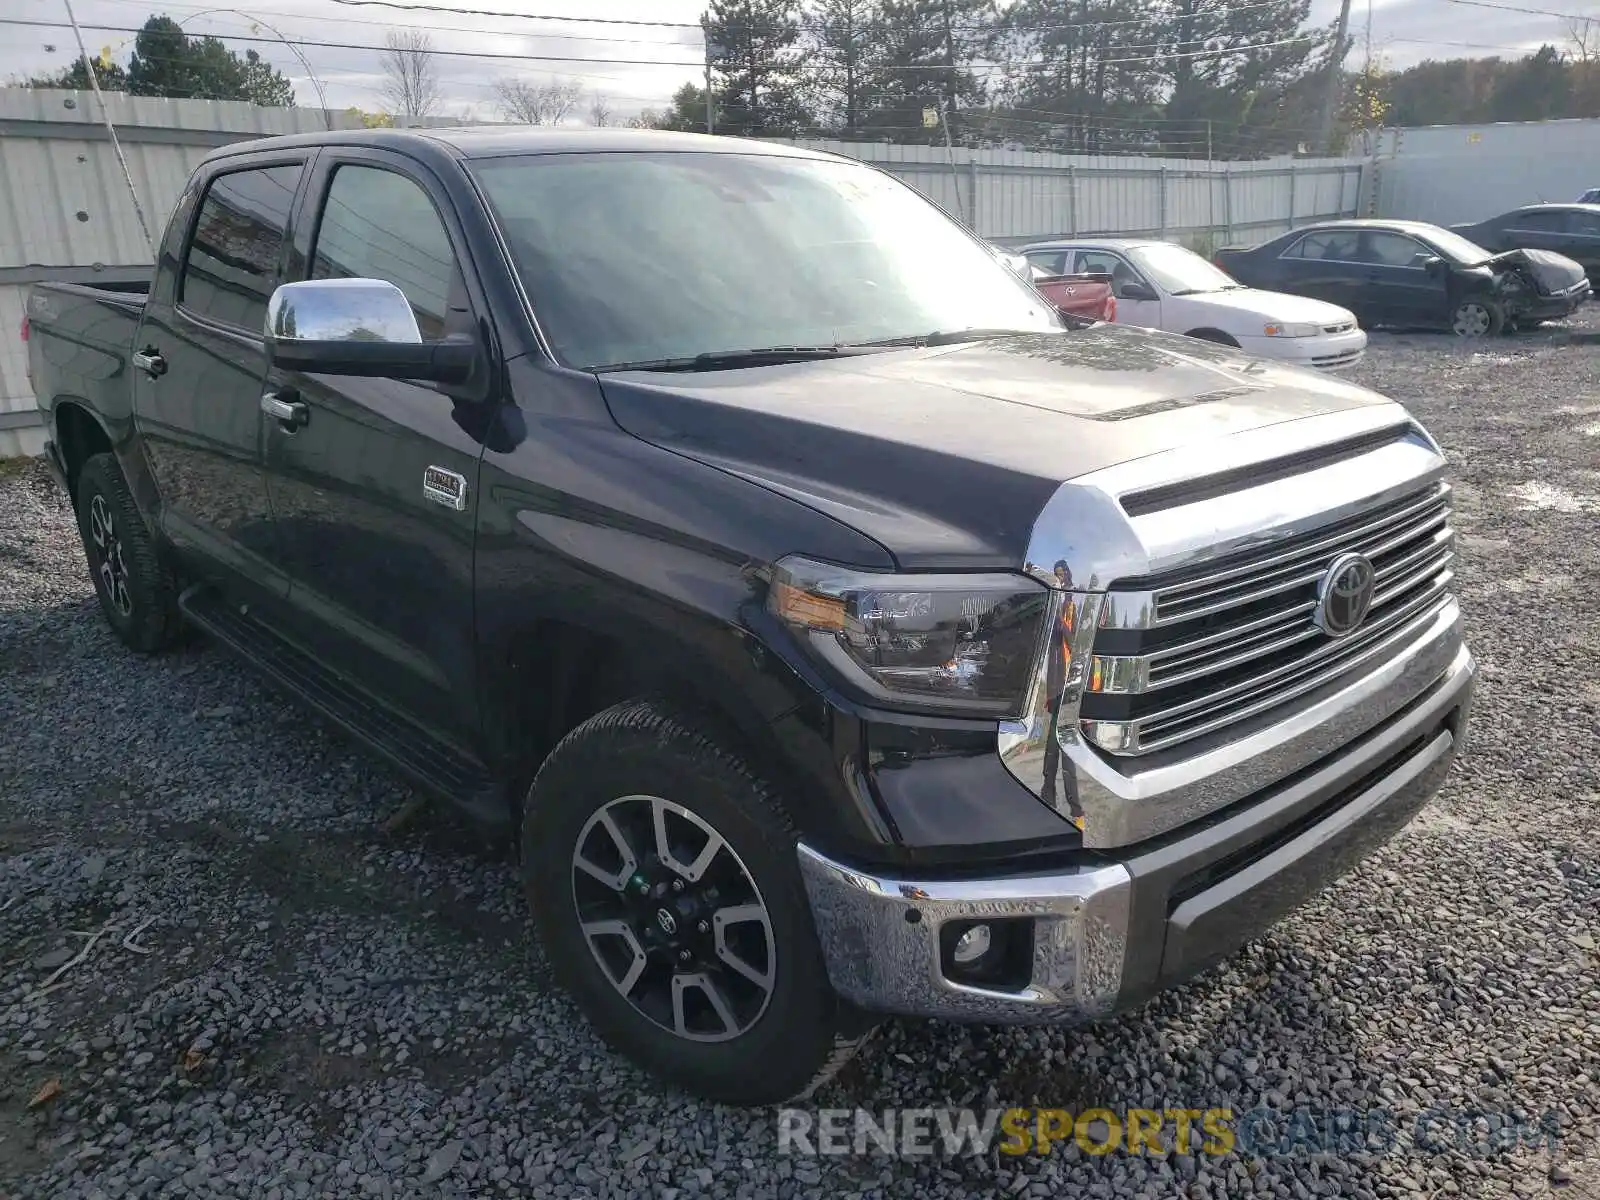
<point x="1404" y="31"/>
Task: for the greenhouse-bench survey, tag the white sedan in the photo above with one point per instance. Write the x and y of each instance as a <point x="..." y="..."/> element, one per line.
<point x="1163" y="286"/>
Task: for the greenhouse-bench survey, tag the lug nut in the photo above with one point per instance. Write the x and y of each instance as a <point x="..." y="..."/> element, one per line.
<point x="683" y="956"/>
<point x="703" y="927"/>
<point x="677" y="885"/>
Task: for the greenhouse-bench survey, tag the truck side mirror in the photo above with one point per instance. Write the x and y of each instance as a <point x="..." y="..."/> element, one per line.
<point x="1432" y="263"/>
<point x="1132" y="289"/>
<point x="359" y="327"/>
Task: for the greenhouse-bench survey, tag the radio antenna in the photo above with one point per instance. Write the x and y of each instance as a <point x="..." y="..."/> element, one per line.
<point x="111" y="131"/>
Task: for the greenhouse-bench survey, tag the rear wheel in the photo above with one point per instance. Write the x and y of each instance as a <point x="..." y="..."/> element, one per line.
<point x="664" y="882"/>
<point x="1477" y="317"/>
<point x="136" y="589"/>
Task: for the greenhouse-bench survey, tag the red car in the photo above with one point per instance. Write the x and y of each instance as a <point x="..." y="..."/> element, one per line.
<point x="1086" y="295"/>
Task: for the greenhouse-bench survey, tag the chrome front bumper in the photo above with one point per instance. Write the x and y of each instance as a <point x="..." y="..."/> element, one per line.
<point x="1105" y="937"/>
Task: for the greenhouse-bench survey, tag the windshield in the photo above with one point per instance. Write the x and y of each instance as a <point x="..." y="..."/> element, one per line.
<point x="632" y="257"/>
<point x="1178" y="271"/>
<point x="1457" y="248"/>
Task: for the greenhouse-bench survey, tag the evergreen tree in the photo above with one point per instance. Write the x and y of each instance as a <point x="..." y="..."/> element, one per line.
<point x="168" y="62"/>
<point x="929" y="50"/>
<point x="111" y="77"/>
<point x="1536" y="88"/>
<point x="845" y="62"/>
<point x="756" y="62"/>
<point x="1079" y="76"/>
<point x="1224" y="70"/>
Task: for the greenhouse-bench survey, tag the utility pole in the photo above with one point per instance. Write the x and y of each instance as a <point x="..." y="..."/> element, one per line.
<point x="1330" y="97"/>
<point x="710" y="103"/>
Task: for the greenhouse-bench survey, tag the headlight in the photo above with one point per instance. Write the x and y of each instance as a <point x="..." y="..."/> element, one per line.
<point x="957" y="643"/>
<point x="1289" y="329"/>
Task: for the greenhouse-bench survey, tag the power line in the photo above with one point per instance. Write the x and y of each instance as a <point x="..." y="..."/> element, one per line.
<point x="486" y="12"/>
<point x="328" y="45"/>
<point x="641" y="62"/>
<point x="198" y="9"/>
<point x="1529" y="12"/>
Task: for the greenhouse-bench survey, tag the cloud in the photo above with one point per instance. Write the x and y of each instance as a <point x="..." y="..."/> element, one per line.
<point x="478" y="49"/>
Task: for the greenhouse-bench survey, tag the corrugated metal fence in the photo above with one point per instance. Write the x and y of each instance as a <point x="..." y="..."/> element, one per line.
<point x="1449" y="174"/>
<point x="1017" y="196"/>
<point x="65" y="212"/>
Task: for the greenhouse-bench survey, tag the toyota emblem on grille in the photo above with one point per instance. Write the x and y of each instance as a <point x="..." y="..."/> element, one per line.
<point x="1345" y="594"/>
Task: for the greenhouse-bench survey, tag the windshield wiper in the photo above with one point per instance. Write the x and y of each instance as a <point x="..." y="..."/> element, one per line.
<point x="761" y="356"/>
<point x="948" y="337"/>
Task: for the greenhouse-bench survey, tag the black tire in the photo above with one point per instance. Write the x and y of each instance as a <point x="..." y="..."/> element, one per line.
<point x="643" y="749"/>
<point x="1215" y="336"/>
<point x="137" y="592"/>
<point x="1478" y="316"/>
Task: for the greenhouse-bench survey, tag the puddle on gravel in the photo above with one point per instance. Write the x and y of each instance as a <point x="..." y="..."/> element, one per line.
<point x="1537" y="495"/>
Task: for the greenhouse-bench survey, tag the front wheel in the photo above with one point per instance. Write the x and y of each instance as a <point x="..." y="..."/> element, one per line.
<point x="1477" y="318"/>
<point x="664" y="883"/>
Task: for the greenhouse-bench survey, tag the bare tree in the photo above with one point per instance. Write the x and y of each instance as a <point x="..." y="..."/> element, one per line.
<point x="410" y="74"/>
<point x="532" y="103"/>
<point x="600" y="113"/>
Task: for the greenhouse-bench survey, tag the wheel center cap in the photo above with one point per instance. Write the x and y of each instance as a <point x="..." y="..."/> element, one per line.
<point x="668" y="922"/>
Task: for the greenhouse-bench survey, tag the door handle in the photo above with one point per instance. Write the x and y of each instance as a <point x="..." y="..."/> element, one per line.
<point x="291" y="414"/>
<point x="149" y="361"/>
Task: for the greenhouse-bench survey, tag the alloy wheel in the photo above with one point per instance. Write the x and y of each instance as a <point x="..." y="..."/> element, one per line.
<point x="108" y="555"/>
<point x="674" y="918"/>
<point x="1472" y="320"/>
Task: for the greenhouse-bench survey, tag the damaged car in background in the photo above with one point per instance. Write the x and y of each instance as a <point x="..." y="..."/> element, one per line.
<point x="1407" y="274"/>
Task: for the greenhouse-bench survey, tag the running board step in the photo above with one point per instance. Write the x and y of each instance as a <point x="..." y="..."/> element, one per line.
<point x="429" y="763"/>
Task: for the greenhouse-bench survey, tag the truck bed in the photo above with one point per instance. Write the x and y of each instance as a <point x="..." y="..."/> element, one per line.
<point x="79" y="339"/>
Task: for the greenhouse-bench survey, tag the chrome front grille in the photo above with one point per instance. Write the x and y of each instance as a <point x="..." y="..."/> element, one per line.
<point x="1178" y="658"/>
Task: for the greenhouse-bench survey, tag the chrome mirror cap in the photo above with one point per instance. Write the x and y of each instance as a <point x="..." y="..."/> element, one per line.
<point x="341" y="310"/>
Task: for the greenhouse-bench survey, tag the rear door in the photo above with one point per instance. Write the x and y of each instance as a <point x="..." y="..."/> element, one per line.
<point x="197" y="389"/>
<point x="381" y="574"/>
<point x="1534" y="229"/>
<point x="1322" y="265"/>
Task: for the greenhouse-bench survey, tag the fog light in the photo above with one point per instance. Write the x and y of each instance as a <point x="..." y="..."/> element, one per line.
<point x="971" y="945"/>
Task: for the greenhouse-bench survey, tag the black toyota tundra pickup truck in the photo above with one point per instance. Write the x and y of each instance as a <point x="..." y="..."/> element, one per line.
<point x="838" y="632"/>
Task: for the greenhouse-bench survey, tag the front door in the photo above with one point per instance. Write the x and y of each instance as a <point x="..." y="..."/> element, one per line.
<point x="380" y="566"/>
<point x="1583" y="241"/>
<point x="1403" y="291"/>
<point x="1142" y="309"/>
<point x="198" y="374"/>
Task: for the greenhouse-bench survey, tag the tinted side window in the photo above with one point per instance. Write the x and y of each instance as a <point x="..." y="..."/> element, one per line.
<point x="380" y="225"/>
<point x="1337" y="245"/>
<point x="1104" y="262"/>
<point x="1391" y="250"/>
<point x="231" y="265"/>
<point x="1540" y="221"/>
<point x="1585" y="224"/>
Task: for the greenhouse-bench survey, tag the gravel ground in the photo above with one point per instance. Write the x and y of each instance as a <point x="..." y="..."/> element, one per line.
<point x="288" y="994"/>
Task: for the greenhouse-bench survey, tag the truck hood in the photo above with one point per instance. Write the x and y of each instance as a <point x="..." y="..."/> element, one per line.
<point x="1270" y="306"/>
<point x="946" y="456"/>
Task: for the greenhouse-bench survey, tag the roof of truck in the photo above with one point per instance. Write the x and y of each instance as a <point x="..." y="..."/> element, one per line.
<point x="491" y="141"/>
